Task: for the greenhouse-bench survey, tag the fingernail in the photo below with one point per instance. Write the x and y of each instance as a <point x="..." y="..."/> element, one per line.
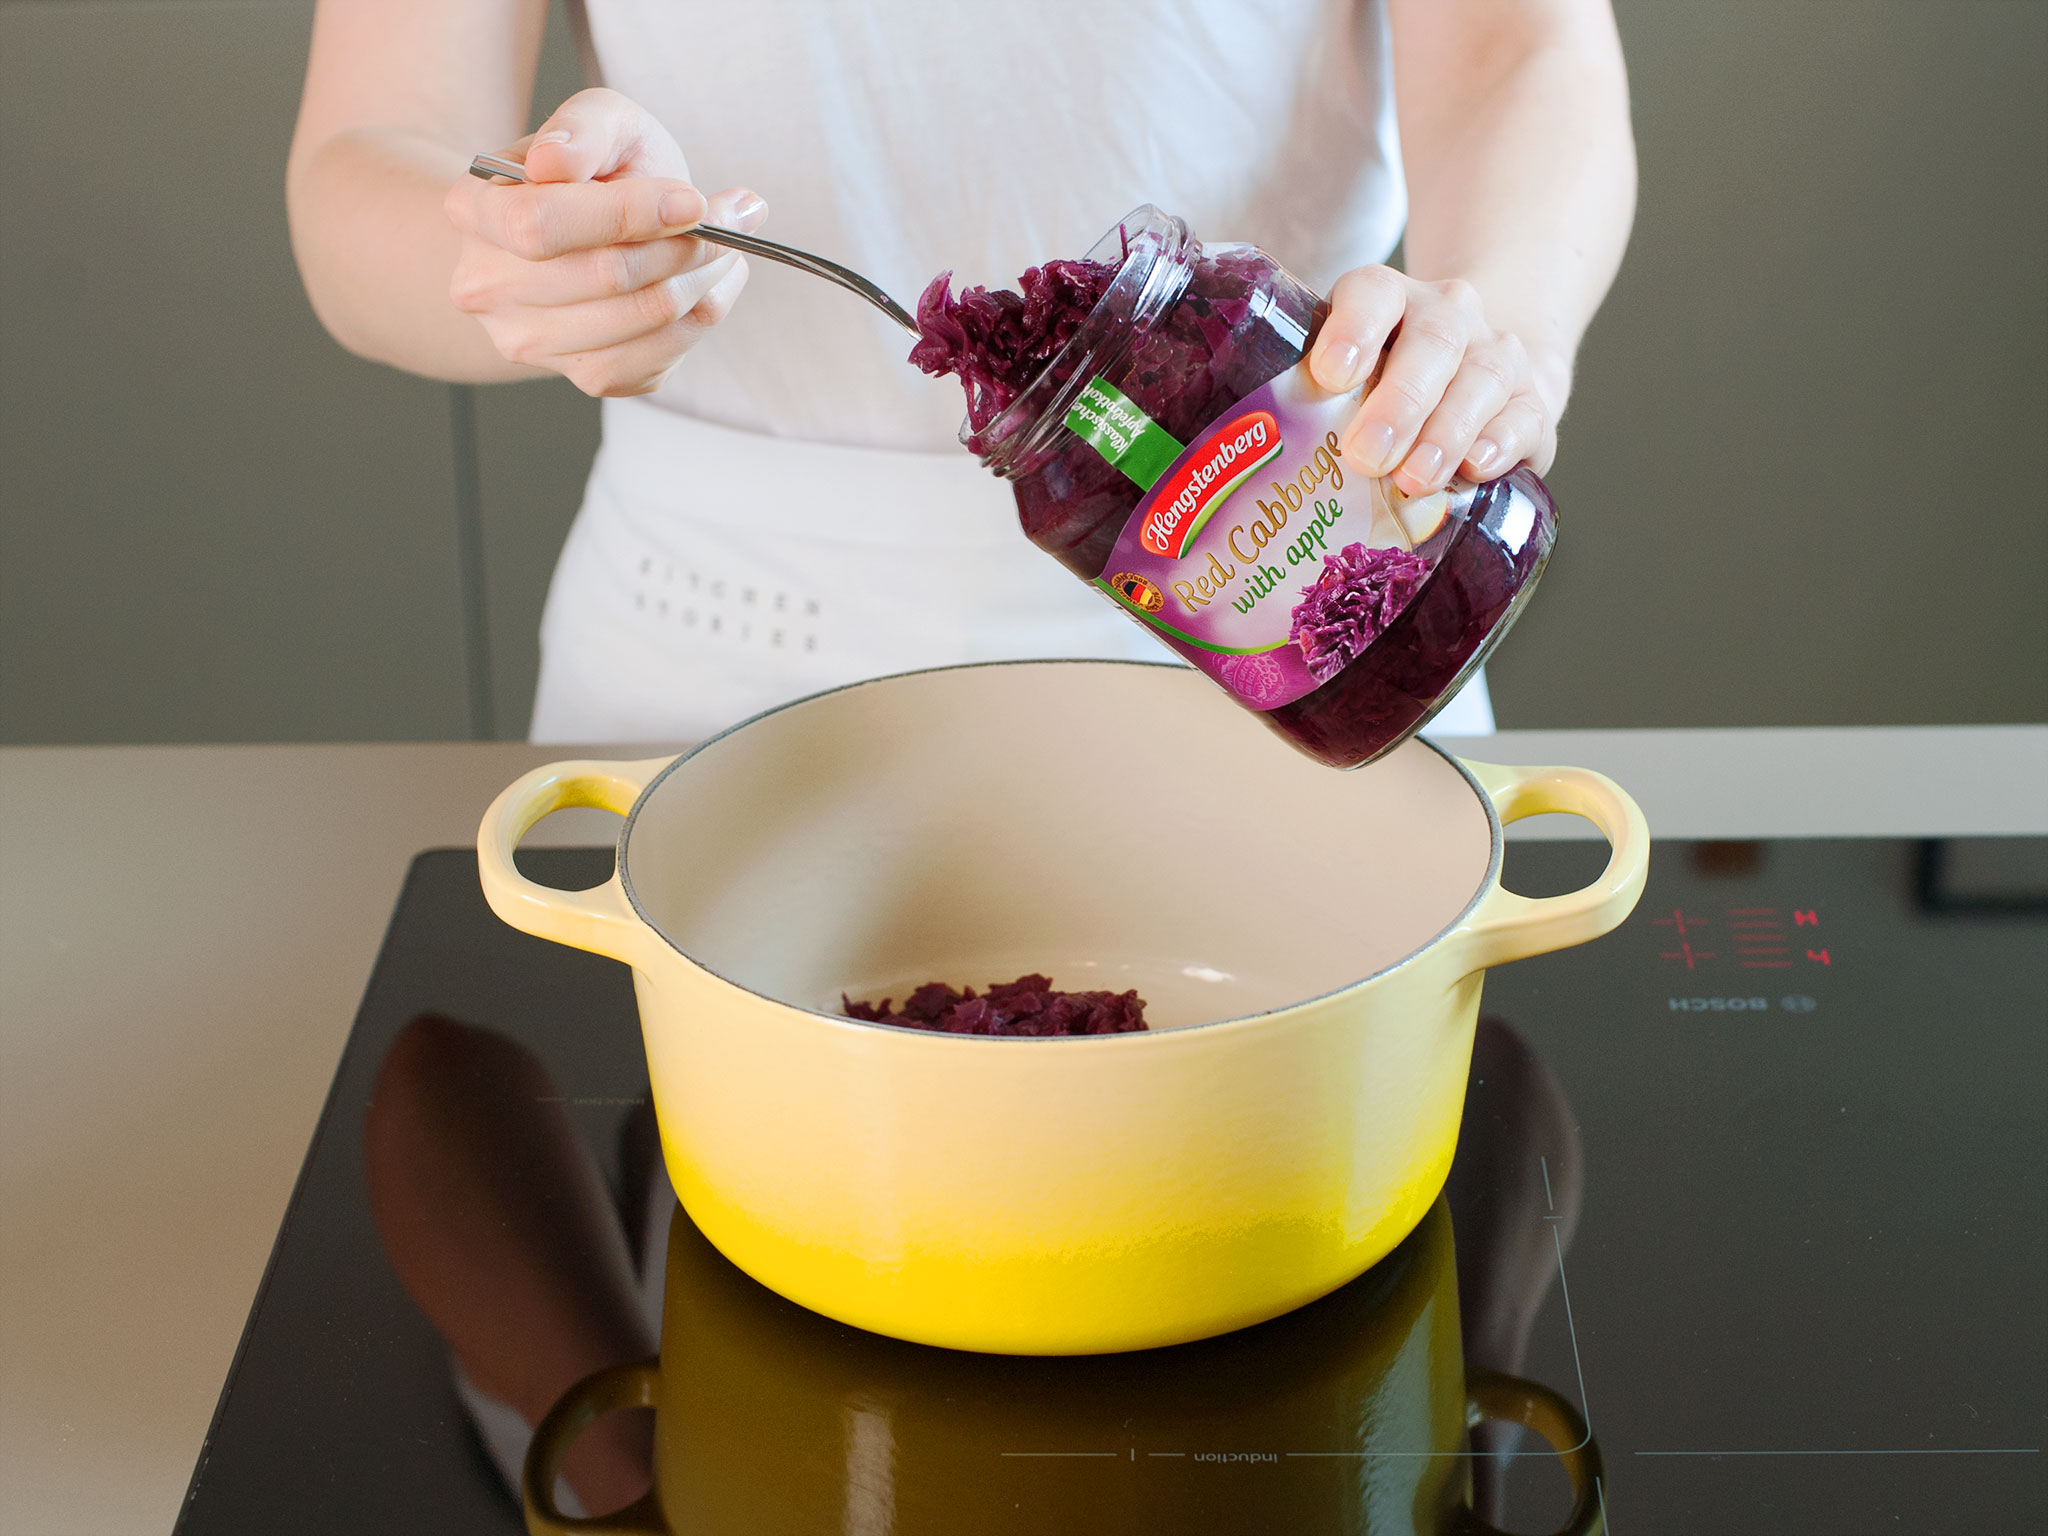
<point x="748" y="212"/>
<point x="552" y="136"/>
<point x="1483" y="453"/>
<point x="1340" y="365"/>
<point x="680" y="209"/>
<point x="1375" y="443"/>
<point x="1423" y="463"/>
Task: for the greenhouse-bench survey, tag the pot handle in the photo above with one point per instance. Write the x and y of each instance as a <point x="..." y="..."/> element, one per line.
<point x="1505" y="926"/>
<point x="601" y="919"/>
<point x="1490" y="1395"/>
<point x="636" y="1385"/>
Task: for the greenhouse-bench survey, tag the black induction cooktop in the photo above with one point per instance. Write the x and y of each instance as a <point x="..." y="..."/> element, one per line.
<point x="1756" y="1184"/>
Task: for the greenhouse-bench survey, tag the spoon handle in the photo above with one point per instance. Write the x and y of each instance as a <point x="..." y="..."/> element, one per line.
<point x="485" y="167"/>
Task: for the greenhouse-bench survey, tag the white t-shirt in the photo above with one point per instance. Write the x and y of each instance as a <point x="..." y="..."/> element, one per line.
<point x="792" y="510"/>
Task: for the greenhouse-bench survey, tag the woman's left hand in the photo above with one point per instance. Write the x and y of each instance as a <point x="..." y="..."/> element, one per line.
<point x="1453" y="395"/>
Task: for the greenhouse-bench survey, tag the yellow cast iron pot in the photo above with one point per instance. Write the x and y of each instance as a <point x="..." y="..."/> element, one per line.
<point x="1309" y="944"/>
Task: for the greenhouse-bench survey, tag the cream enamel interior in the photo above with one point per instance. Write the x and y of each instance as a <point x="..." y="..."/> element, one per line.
<point x="1111" y="825"/>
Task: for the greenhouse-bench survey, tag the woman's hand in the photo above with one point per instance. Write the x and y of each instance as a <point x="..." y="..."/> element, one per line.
<point x="587" y="270"/>
<point x="1453" y="394"/>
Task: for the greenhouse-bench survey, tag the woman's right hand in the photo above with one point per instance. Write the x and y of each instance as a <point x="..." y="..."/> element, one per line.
<point x="587" y="270"/>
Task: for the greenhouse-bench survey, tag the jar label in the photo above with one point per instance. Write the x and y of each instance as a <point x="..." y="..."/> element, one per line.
<point x="1254" y="553"/>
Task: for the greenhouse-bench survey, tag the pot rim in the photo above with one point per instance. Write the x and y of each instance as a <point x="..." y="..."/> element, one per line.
<point x="625" y="875"/>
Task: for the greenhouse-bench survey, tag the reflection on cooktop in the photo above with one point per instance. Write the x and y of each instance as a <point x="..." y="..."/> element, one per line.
<point x="1753" y="1185"/>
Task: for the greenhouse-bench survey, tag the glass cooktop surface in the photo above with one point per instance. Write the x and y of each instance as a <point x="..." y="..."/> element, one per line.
<point x="1749" y="1221"/>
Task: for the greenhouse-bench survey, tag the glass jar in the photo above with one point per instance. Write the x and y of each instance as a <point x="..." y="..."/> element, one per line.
<point x="1177" y="454"/>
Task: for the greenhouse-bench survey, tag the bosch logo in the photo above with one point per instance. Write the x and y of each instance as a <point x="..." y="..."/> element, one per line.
<point x="1796" y="1002"/>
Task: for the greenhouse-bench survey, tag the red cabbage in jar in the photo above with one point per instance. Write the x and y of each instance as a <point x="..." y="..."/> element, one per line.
<point x="1358" y="595"/>
<point x="1440" y="638"/>
<point x="1167" y="444"/>
<point x="996" y="342"/>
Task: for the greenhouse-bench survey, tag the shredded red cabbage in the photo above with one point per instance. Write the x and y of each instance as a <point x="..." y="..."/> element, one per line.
<point x="995" y="341"/>
<point x="1030" y="1005"/>
<point x="1216" y="345"/>
<point x="1358" y="593"/>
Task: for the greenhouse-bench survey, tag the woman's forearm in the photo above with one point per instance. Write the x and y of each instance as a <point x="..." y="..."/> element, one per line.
<point x="375" y="250"/>
<point x="1520" y="162"/>
<point x="398" y="95"/>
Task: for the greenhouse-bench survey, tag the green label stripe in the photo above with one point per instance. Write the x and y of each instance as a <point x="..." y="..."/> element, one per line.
<point x="1105" y="419"/>
<point x="1180" y="634"/>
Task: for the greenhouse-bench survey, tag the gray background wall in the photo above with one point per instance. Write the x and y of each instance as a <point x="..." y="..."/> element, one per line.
<point x="1781" y="472"/>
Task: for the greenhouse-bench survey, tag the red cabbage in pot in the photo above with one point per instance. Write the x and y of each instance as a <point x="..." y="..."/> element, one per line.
<point x="1030" y="1005"/>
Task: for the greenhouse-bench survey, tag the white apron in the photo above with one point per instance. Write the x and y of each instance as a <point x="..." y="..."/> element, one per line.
<point x="780" y="567"/>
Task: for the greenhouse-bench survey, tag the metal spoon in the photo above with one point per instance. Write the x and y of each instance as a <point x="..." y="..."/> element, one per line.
<point x="485" y="167"/>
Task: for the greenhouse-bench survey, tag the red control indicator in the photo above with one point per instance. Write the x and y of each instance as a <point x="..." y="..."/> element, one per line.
<point x="1683" y="929"/>
<point x="1758" y="938"/>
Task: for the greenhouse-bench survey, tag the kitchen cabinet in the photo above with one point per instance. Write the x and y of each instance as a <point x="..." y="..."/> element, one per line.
<point x="214" y="523"/>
